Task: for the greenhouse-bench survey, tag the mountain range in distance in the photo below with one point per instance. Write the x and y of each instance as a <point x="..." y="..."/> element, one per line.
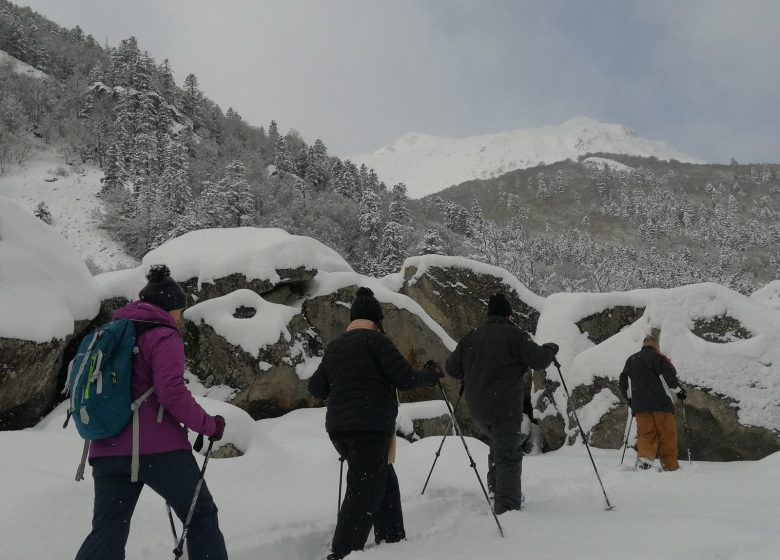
<point x="428" y="164"/>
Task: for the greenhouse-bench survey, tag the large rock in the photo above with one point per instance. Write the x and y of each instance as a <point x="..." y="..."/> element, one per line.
<point x="47" y="298"/>
<point x="329" y="315"/>
<point x="723" y="345"/>
<point x="264" y="371"/>
<point x="454" y="291"/>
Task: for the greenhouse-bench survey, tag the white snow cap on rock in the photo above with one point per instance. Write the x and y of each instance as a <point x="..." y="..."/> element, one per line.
<point x="263" y="329"/>
<point x="746" y="370"/>
<point x="425" y="262"/>
<point x="210" y="254"/>
<point x="769" y="295"/>
<point x="257" y="253"/>
<point x="44" y="284"/>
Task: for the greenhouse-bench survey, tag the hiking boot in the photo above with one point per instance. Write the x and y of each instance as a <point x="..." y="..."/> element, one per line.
<point x="643" y="464"/>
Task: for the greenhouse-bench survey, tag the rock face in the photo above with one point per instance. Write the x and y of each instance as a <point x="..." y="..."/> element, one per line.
<point x="288" y="290"/>
<point x="456" y="298"/>
<point x="32" y="376"/>
<point x="28" y="380"/>
<point x="268" y="385"/>
<point x="329" y="315"/>
<point x="600" y="326"/>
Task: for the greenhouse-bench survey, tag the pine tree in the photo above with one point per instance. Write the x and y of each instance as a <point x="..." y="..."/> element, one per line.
<point x="317" y="165"/>
<point x="399" y="205"/>
<point x="393" y="248"/>
<point x="282" y="160"/>
<point x="432" y="243"/>
<point x="239" y="196"/>
<point x="273" y="133"/>
<point x="192" y="99"/>
<point x="114" y="175"/>
<point x="370" y="218"/>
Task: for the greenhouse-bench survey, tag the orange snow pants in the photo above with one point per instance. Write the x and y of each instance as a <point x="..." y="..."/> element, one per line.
<point x="657" y="437"/>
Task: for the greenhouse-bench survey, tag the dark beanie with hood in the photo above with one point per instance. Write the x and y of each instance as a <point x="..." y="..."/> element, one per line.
<point x="499" y="305"/>
<point x="162" y="290"/>
<point x="366" y="306"/>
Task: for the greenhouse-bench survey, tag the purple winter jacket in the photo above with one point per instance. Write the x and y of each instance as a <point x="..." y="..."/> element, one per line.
<point x="159" y="362"/>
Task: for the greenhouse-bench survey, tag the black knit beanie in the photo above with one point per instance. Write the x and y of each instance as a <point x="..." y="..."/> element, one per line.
<point x="499" y="305"/>
<point x="365" y="306"/>
<point x="162" y="290"/>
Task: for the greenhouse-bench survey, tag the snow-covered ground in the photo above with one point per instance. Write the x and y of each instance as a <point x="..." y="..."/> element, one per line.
<point x="71" y="199"/>
<point x="428" y="164"/>
<point x="21" y="67"/>
<point x="278" y="501"/>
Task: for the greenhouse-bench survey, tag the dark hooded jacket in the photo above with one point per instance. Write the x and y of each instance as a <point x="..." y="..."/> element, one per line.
<point x="358" y="375"/>
<point x="492" y="360"/>
<point x="649" y="379"/>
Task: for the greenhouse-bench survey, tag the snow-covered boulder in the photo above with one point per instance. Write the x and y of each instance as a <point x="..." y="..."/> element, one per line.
<point x="769" y="295"/>
<point x="454" y="291"/>
<point x="264" y="351"/>
<point x="416" y="335"/>
<point x="726" y="349"/>
<point x="211" y="263"/>
<point x="47" y="297"/>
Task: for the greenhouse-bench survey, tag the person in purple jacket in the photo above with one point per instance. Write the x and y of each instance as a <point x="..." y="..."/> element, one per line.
<point x="167" y="464"/>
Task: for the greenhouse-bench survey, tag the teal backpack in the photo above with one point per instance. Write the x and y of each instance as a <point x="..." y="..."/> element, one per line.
<point x="99" y="385"/>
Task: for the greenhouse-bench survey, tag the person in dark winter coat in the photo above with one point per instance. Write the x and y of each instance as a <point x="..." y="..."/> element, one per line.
<point x="359" y="375"/>
<point x="167" y="465"/>
<point x="647" y="382"/>
<point x="492" y="360"/>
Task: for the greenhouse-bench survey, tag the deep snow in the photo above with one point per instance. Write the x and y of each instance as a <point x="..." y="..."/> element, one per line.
<point x="278" y="501"/>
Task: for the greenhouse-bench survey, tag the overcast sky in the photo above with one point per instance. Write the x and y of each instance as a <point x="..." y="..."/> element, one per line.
<point x="702" y="75"/>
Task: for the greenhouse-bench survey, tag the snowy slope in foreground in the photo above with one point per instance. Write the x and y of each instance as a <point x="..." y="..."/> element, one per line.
<point x="278" y="501"/>
<point x="428" y="164"/>
<point x="71" y="201"/>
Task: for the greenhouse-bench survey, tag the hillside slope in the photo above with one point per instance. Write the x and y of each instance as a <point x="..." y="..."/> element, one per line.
<point x="69" y="193"/>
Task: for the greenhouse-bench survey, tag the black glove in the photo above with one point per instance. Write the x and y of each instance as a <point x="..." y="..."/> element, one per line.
<point x="552" y="346"/>
<point x="682" y="395"/>
<point x="220" y="431"/>
<point x="434" y="367"/>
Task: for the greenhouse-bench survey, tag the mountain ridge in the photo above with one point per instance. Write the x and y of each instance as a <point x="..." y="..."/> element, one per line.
<point x="428" y="163"/>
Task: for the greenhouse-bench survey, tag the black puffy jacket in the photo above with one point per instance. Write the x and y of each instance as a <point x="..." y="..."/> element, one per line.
<point x="492" y="360"/>
<point x="648" y="379"/>
<point x="359" y="374"/>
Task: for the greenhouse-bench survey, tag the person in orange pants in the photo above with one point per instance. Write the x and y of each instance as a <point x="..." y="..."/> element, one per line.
<point x="647" y="382"/>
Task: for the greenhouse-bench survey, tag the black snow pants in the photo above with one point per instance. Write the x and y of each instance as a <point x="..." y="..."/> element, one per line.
<point x="505" y="463"/>
<point x="173" y="476"/>
<point x="372" y="497"/>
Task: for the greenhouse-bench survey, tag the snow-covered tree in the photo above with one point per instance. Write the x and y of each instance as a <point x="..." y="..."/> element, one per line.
<point x="432" y="243"/>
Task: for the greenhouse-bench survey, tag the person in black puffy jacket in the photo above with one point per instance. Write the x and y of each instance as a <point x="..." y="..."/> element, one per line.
<point x="359" y="375"/>
<point x="493" y="360"/>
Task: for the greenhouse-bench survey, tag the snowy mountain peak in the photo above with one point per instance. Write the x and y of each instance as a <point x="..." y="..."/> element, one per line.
<point x="428" y="164"/>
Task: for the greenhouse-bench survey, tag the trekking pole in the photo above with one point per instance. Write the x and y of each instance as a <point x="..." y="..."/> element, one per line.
<point x="173" y="526"/>
<point x="471" y="459"/>
<point x="685" y="425"/>
<point x="179" y="550"/>
<point x="341" y="480"/>
<point x="628" y="433"/>
<point x="584" y="439"/>
<point x="443" y="438"/>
